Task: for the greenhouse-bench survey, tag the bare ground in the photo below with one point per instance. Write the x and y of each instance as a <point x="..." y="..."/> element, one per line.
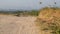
<point x="17" y="25"/>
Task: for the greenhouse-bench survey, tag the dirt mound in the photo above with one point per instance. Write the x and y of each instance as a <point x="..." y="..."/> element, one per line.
<point x="49" y="20"/>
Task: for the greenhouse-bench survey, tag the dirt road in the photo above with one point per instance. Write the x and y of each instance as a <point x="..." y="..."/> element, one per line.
<point x="17" y="25"/>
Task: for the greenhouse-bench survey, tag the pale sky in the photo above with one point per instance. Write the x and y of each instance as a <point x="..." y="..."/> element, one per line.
<point x="26" y="4"/>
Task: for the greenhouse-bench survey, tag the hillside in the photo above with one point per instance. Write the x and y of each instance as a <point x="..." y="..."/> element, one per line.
<point x="48" y="20"/>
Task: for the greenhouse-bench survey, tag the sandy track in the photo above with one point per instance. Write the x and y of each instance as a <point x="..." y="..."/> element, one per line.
<point x="17" y="25"/>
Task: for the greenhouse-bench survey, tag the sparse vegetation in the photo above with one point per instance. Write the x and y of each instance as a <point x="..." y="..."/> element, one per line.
<point x="49" y="20"/>
<point x="18" y="13"/>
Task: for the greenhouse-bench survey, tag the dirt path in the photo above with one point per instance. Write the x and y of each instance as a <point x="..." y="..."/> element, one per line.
<point x="17" y="25"/>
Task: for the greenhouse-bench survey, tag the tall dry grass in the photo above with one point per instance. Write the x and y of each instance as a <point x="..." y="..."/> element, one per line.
<point x="48" y="21"/>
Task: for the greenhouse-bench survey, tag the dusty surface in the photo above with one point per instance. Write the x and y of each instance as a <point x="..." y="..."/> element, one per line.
<point x="17" y="25"/>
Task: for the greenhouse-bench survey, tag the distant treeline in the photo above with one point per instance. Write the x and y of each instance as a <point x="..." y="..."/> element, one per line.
<point x="31" y="12"/>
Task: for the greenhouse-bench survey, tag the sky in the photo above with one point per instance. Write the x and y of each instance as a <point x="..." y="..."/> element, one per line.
<point x="26" y="4"/>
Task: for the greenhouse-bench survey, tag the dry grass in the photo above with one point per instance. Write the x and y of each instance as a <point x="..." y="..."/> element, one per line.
<point x="48" y="21"/>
